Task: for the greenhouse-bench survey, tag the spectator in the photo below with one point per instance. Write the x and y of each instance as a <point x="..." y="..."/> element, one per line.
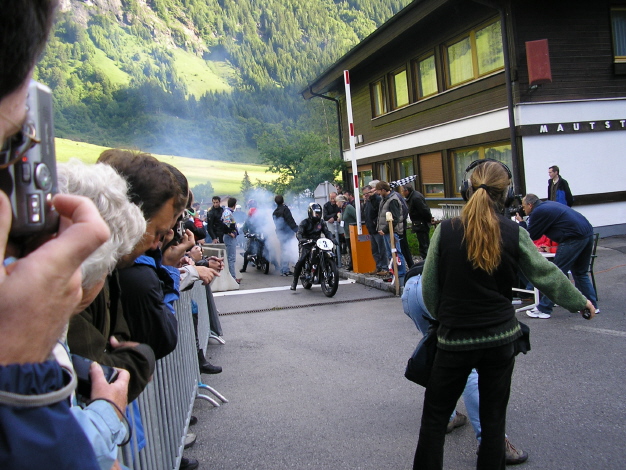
<point x="215" y="228"/>
<point x="348" y="216"/>
<point x="391" y="203"/>
<point x="230" y="234"/>
<point x="467" y="285"/>
<point x="404" y="244"/>
<point x="558" y="188"/>
<point x="108" y="190"/>
<point x="101" y="332"/>
<point x="574" y="235"/>
<point x="349" y="197"/>
<point x="193" y="222"/>
<point x="370" y="216"/>
<point x="413" y="304"/>
<point x="420" y="215"/>
<point x="41" y="290"/>
<point x="285" y="228"/>
<point x="310" y="228"/>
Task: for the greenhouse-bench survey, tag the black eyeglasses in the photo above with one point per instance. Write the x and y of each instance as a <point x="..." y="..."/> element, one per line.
<point x="16" y="147"/>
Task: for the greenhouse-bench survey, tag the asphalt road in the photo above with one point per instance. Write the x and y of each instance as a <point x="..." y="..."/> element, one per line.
<point x="317" y="383"/>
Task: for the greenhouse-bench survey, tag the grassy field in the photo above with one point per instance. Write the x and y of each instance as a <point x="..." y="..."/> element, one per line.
<point x="224" y="176"/>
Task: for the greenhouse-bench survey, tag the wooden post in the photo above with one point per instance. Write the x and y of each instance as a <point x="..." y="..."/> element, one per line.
<point x="392" y="241"/>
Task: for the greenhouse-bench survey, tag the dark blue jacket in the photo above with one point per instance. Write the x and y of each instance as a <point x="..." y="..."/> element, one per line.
<point x="40" y="436"/>
<point x="557" y="222"/>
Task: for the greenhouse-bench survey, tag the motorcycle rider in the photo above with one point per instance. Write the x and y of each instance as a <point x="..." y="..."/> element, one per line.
<point x="310" y="228"/>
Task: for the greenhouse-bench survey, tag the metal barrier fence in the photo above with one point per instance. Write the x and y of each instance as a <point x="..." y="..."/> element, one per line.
<point x="451" y="210"/>
<point x="166" y="403"/>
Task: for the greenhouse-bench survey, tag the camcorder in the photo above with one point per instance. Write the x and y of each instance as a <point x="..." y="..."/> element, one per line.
<point x="28" y="168"/>
<point x="81" y="367"/>
<point x="516" y="207"/>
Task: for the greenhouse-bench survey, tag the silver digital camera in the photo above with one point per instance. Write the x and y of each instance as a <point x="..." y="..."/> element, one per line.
<point x="28" y="168"/>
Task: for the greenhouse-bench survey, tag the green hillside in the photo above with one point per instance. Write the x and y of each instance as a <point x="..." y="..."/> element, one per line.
<point x="198" y="78"/>
<point x="225" y="177"/>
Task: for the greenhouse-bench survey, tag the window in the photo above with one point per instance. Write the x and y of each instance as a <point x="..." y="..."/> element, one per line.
<point x="474" y="55"/>
<point x="431" y="170"/>
<point x="618" y="23"/>
<point x="382" y="171"/>
<point x="405" y="168"/>
<point x="365" y="175"/>
<point x="379" y="99"/>
<point x="399" y="89"/>
<point x="463" y="157"/>
<point x="427" y="77"/>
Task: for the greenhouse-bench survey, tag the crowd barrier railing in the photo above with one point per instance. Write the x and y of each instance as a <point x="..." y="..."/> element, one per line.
<point x="166" y="403"/>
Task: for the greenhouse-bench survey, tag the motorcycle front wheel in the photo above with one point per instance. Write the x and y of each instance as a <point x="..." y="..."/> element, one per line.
<point x="329" y="278"/>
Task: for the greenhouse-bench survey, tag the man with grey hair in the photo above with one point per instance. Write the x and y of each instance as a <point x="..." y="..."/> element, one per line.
<point x="574" y="234"/>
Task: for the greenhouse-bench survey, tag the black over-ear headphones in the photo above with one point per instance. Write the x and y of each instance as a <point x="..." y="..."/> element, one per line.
<point x="466" y="185"/>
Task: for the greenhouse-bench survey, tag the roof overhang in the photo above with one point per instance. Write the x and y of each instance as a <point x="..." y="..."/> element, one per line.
<point x="409" y="17"/>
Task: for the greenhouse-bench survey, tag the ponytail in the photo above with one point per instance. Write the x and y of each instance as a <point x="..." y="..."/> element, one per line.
<point x="489" y="183"/>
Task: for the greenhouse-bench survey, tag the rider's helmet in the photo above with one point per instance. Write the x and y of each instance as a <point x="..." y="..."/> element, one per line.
<point x="315" y="212"/>
<point x="251" y="204"/>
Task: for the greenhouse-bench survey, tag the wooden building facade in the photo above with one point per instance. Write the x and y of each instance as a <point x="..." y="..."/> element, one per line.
<point x="530" y="83"/>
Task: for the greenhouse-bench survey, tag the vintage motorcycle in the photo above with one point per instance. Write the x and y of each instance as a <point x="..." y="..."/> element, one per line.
<point x="320" y="267"/>
<point x="257" y="248"/>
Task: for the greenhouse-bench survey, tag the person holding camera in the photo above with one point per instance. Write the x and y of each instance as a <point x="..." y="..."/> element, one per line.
<point x="40" y="281"/>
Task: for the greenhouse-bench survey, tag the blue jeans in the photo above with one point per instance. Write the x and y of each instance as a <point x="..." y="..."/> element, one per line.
<point x="379" y="251"/>
<point x="574" y="255"/>
<point x="402" y="261"/>
<point x="231" y="253"/>
<point x="413" y="304"/>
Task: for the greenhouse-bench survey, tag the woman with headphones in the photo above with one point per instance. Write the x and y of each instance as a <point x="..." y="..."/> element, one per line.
<point x="471" y="267"/>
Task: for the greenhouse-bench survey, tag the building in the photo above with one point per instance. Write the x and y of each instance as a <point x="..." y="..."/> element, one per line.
<point x="530" y="83"/>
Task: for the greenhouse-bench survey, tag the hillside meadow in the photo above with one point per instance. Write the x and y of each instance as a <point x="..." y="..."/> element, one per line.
<point x="224" y="176"/>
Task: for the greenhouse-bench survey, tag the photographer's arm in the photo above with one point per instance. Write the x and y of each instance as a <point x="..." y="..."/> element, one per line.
<point x="40" y="291"/>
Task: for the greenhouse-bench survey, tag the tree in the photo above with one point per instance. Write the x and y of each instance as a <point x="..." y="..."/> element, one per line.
<point x="246" y="186"/>
<point x="203" y="192"/>
<point x="300" y="158"/>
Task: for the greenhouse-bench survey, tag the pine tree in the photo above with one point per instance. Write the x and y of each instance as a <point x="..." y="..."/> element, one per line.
<point x="246" y="186"/>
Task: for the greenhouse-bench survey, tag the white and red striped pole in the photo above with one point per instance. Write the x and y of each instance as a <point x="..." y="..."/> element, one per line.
<point x="355" y="174"/>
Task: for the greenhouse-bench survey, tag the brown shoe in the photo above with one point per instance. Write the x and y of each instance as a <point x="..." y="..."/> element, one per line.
<point x="382" y="273"/>
<point x="459" y="420"/>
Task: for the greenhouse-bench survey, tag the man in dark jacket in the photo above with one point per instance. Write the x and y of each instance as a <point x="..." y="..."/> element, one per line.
<point x="558" y="188"/>
<point x="574" y="234"/>
<point x="420" y="215"/>
<point x="370" y="217"/>
<point x="285" y="228"/>
<point x="214" y="225"/>
<point x="391" y="203"/>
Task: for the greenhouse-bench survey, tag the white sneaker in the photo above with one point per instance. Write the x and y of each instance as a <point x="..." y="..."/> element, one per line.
<point x="536" y="313"/>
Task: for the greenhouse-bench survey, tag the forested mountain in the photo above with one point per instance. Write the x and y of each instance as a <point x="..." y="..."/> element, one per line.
<point x="200" y="78"/>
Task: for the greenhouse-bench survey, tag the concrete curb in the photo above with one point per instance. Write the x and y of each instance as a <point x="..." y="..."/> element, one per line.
<point x="369" y="281"/>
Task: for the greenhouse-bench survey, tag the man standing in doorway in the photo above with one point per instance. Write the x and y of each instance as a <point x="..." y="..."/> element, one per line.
<point x="558" y="188"/>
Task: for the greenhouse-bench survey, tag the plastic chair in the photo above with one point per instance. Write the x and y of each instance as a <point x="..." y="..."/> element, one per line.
<point x="596" y="237"/>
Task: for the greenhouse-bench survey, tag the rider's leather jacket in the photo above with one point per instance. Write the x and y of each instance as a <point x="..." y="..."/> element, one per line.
<point x="312" y="230"/>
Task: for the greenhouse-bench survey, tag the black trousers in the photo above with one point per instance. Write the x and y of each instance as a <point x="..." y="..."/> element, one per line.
<point x="446" y="384"/>
<point x="423" y="238"/>
<point x="406" y="251"/>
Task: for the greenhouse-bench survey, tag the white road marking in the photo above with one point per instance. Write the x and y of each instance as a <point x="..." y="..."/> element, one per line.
<point x="600" y="330"/>
<point x="270" y="289"/>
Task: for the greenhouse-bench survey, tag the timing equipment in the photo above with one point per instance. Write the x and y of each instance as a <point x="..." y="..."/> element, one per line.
<point x="466" y="184"/>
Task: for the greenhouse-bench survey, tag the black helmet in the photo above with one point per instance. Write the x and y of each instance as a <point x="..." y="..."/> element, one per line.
<point x="315" y="212"/>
